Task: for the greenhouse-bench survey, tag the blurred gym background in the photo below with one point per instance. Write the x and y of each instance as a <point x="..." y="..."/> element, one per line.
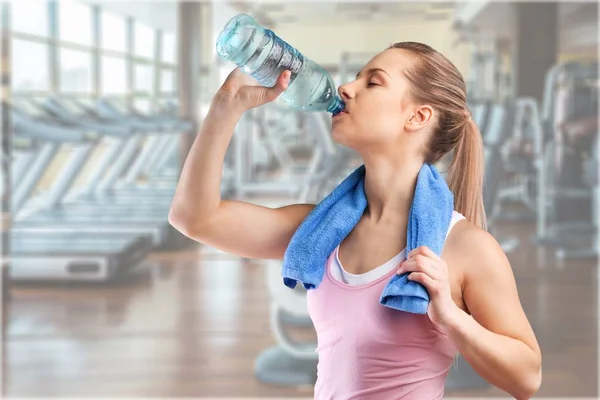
<point x="101" y="100"/>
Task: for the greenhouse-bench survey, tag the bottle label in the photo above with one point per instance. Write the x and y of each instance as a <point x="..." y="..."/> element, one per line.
<point x="281" y="57"/>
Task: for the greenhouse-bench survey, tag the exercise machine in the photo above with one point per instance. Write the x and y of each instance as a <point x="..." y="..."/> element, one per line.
<point x="292" y="176"/>
<point x="53" y="213"/>
<point x="56" y="255"/>
<point x="568" y="185"/>
<point x="521" y="152"/>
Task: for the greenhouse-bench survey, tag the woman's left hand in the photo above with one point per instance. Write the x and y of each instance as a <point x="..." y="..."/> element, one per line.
<point x="427" y="268"/>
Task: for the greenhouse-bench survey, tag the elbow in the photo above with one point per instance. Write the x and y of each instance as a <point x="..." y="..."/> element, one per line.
<point x="530" y="385"/>
<point x="177" y="220"/>
<point x="534" y="383"/>
<point x="190" y="221"/>
<point x="183" y="222"/>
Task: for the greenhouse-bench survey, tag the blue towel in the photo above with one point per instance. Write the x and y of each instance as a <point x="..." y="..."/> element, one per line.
<point x="336" y="216"/>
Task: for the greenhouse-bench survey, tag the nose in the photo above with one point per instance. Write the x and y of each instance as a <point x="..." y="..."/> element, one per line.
<point x="345" y="91"/>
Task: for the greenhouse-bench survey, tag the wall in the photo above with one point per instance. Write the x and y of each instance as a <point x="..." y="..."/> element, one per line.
<point x="578" y="36"/>
<point x="325" y="43"/>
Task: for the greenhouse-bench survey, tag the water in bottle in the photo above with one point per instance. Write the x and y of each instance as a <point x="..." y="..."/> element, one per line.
<point x="260" y="53"/>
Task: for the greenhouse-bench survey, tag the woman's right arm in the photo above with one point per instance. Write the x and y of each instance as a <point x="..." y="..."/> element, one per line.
<point x="197" y="210"/>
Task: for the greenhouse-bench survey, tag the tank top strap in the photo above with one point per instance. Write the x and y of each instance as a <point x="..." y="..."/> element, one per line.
<point x="456" y="217"/>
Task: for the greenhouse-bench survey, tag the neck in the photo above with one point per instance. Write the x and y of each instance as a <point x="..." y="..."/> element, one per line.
<point x="390" y="187"/>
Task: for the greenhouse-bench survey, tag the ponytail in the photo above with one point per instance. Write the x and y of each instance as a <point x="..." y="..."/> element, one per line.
<point x="436" y="81"/>
<point x="465" y="175"/>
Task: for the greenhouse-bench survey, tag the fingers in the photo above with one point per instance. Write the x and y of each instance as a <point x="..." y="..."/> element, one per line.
<point x="424" y="266"/>
<point x="418" y="263"/>
<point x="252" y="94"/>
<point x="433" y="286"/>
<point x="425" y="271"/>
<point x="284" y="79"/>
<point x="280" y="86"/>
<point x="234" y="76"/>
<point x="422" y="278"/>
<point x="231" y="84"/>
<point x="420" y="259"/>
<point x="423" y="250"/>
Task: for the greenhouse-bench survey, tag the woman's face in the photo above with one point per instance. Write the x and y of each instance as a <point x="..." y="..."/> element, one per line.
<point x="379" y="109"/>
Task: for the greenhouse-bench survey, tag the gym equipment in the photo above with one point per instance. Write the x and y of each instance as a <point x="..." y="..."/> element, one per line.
<point x="500" y="126"/>
<point x="484" y="62"/>
<point x="281" y="138"/>
<point x="65" y="255"/>
<point x="520" y="154"/>
<point x="488" y="79"/>
<point x="480" y="112"/>
<point x="290" y="179"/>
<point x="567" y="194"/>
<point x="153" y="156"/>
<point x="52" y="213"/>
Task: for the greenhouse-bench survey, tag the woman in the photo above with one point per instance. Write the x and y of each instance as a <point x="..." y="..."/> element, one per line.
<point x="406" y="107"/>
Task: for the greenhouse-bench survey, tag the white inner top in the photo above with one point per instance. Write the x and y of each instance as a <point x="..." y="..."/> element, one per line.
<point x="341" y="275"/>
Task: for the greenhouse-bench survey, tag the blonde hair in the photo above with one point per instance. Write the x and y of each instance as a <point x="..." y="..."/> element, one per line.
<point x="437" y="82"/>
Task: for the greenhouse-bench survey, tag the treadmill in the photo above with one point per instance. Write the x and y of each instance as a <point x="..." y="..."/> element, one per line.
<point x="161" y="142"/>
<point x="128" y="162"/>
<point x="120" y="156"/>
<point x="159" y="182"/>
<point x="157" y="153"/>
<point x="56" y="215"/>
<point x="56" y="255"/>
<point x="152" y="193"/>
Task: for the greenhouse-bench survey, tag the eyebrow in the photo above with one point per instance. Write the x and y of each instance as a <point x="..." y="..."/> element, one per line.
<point x="371" y="71"/>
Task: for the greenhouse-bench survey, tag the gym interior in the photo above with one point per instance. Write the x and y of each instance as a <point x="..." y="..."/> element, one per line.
<point x="101" y="101"/>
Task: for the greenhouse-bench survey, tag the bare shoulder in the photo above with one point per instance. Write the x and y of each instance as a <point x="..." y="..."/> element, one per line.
<point x="489" y="289"/>
<point x="476" y="253"/>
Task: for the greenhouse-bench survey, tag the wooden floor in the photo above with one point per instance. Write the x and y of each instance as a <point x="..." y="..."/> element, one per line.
<point x="192" y="324"/>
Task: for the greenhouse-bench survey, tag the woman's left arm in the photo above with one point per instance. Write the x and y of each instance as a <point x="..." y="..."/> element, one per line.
<point x="496" y="339"/>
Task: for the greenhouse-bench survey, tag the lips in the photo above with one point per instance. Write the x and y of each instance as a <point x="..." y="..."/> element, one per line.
<point x="339" y="114"/>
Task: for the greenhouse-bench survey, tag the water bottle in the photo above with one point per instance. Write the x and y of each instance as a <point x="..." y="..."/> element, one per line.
<point x="260" y="53"/>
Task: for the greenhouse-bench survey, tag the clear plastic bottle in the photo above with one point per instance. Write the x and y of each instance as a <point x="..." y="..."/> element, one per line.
<point x="260" y="53"/>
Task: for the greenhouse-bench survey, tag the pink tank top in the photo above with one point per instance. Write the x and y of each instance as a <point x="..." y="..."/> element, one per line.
<point x="369" y="351"/>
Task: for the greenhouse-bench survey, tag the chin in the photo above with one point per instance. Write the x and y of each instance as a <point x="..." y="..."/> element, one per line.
<point x="338" y="136"/>
<point x="343" y="139"/>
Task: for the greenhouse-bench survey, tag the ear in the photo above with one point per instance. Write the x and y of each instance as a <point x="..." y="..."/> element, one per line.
<point x="419" y="118"/>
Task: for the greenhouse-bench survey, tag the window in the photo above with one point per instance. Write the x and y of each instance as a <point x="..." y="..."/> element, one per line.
<point x="169" y="50"/>
<point x="75" y="71"/>
<point x="114" y="32"/>
<point x="142" y="105"/>
<point x="144" y="41"/>
<point x="30" y="19"/>
<point x="75" y="23"/>
<point x="29" y="67"/>
<point x="167" y="81"/>
<point x="144" y="78"/>
<point x="114" y="75"/>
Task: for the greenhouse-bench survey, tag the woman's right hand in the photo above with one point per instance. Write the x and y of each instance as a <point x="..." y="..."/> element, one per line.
<point x="246" y="93"/>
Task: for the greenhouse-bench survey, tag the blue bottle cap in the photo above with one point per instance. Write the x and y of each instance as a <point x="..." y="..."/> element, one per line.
<point x="336" y="106"/>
